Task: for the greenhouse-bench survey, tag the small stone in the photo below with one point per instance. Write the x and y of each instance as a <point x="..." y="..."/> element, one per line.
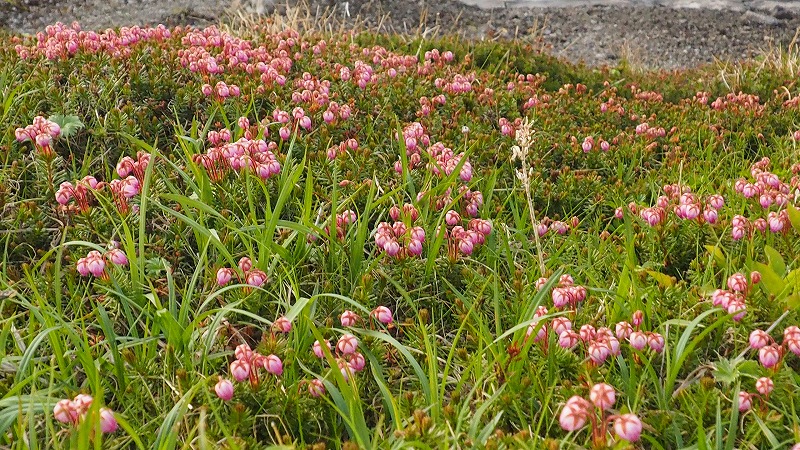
<point x="764" y="19"/>
<point x="785" y="14"/>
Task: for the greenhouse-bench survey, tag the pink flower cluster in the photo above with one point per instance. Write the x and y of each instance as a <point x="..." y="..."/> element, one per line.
<point x="764" y="387"/>
<point x="128" y="166"/>
<point x="245" y="368"/>
<point x="535" y="101"/>
<point x="209" y="50"/>
<point x="349" y="319"/>
<point x="427" y="105"/>
<point x="343" y="220"/>
<point x="768" y="187"/>
<point x="414" y="137"/>
<point x="248" y="362"/>
<point x="397" y="239"/>
<point x="702" y="97"/>
<point x="341" y="149"/>
<point x="197" y="56"/>
<point x="462" y="241"/>
<point x="770" y="354"/>
<point x="681" y="200"/>
<point x="738" y="102"/>
<point x="348" y="359"/>
<point x="567" y="293"/>
<point x="393" y="63"/>
<point x="733" y="299"/>
<point x="94" y="263"/>
<point x="310" y="90"/>
<point x="343" y="112"/>
<point x="123" y="190"/>
<point x="508" y="128"/>
<point x="131" y="172"/>
<point x="556" y="226"/>
<point x="297" y="119"/>
<point x="81" y="192"/>
<point x="60" y="42"/>
<point x="446" y="161"/>
<point x="75" y="410"/>
<point x="41" y="132"/>
<point x="221" y="90"/>
<point x="612" y="105"/>
<point x="361" y="74"/>
<point x="469" y="201"/>
<point x="589" y="143"/>
<point x="602" y="397"/>
<point x="648" y="96"/>
<point x="644" y="129"/>
<point x="769" y="190"/>
<point x="459" y="84"/>
<point x="251" y="276"/>
<point x="599" y="343"/>
<point x="255" y="155"/>
<point x="435" y="55"/>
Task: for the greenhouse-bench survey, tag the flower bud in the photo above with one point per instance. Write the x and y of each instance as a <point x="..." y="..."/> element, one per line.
<point x="224" y="389"/>
<point x="628" y="427"/>
<point x="108" y="423"/>
<point x="382" y="314"/>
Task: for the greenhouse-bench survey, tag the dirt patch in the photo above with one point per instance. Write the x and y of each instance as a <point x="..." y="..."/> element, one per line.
<point x="651" y="36"/>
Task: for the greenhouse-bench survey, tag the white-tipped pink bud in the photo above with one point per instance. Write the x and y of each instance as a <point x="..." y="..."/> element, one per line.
<point x="628" y="427"/>
<point x="347" y="344"/>
<point x="282" y="324"/>
<point x="224" y="276"/>
<point x="317" y="348"/>
<point x="108" y="423"/>
<point x="240" y="370"/>
<point x="224" y="389"/>
<point x="656" y="342"/>
<point x="574" y="414"/>
<point x="316" y="387"/>
<point x="273" y="365"/>
<point x="764" y="386"/>
<point x="64" y="412"/>
<point x="745" y="401"/>
<point x="382" y="314"/>
<point x="117" y="257"/>
<point x="603" y="396"/>
<point x="256" y="278"/>
<point x="769" y="356"/>
<point x="348" y="318"/>
<point x="759" y="339"/>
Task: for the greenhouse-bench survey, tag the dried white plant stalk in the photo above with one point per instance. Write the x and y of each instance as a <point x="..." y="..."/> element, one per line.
<point x="521" y="151"/>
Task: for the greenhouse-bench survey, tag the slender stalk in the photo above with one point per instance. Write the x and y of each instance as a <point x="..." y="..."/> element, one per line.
<point x="537" y="240"/>
<point x="521" y="151"/>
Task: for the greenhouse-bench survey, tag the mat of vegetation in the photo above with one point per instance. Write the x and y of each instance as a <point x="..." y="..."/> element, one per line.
<point x="249" y="236"/>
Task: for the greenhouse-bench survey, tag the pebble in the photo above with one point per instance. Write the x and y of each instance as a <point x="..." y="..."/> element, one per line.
<point x="752" y="16"/>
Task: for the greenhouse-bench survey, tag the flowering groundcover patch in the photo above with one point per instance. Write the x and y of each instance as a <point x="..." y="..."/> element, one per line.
<point x="357" y="240"/>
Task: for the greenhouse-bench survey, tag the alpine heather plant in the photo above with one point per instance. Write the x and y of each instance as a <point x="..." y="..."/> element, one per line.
<point x="75" y="411"/>
<point x="338" y="162"/>
<point x="95" y="263"/>
<point x="41" y="133"/>
<point x="397" y="239"/>
<point x="578" y="411"/>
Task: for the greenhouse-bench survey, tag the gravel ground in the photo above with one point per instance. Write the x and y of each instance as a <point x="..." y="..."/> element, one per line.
<point x="651" y="36"/>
